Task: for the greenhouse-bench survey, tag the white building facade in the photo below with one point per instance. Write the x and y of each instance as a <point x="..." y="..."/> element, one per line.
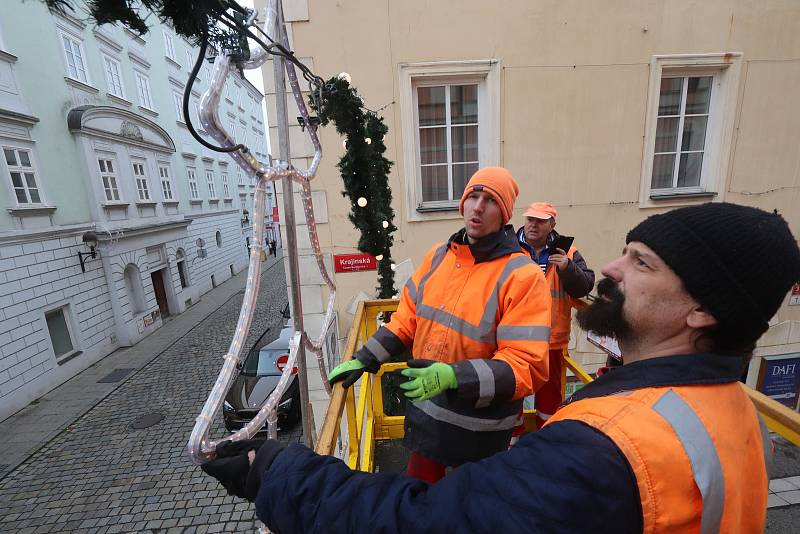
<point x="95" y="147"/>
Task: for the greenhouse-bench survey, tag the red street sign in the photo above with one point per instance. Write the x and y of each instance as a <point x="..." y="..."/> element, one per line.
<point x="351" y="263"/>
<point x="275" y="214"/>
<point x="281" y="362"/>
<point x="796" y="289"/>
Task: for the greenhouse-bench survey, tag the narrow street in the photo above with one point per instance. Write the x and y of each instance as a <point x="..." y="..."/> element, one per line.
<point x="102" y="475"/>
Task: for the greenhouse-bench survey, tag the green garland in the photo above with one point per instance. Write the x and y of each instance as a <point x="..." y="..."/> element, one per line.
<point x="365" y="173"/>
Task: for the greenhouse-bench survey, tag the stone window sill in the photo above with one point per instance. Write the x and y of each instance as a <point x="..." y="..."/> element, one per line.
<point x="119" y="100"/>
<point x="148" y="111"/>
<point x="80" y="85"/>
<point x="196" y="201"/>
<point x="67" y="357"/>
<point x="171" y="202"/>
<point x="674" y="195"/>
<point x="30" y="211"/>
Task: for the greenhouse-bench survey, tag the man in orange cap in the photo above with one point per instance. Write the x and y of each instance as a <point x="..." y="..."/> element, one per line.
<point x="569" y="278"/>
<point x="476" y="317"/>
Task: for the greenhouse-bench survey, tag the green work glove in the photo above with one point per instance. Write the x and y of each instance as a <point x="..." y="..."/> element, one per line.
<point x="348" y="372"/>
<point x="429" y="379"/>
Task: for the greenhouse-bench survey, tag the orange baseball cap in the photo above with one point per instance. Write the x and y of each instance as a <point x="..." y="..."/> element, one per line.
<point x="541" y="210"/>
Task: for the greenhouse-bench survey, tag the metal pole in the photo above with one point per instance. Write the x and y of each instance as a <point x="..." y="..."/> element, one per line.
<point x="291" y="235"/>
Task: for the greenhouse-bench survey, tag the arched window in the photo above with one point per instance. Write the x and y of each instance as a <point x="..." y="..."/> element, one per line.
<point x="180" y="262"/>
<point x="219" y="239"/>
<point x="133" y="283"/>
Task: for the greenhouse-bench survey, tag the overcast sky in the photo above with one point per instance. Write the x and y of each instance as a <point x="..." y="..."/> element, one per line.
<point x="254" y="77"/>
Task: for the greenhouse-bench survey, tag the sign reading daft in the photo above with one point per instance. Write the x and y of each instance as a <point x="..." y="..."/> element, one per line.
<point x="351" y="263"/>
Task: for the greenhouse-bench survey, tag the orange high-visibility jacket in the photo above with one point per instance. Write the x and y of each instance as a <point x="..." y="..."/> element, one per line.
<point x="561" y="312"/>
<point x="697" y="452"/>
<point x="484" y="308"/>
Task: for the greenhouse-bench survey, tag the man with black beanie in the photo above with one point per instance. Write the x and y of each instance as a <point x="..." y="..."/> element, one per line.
<point x="669" y="442"/>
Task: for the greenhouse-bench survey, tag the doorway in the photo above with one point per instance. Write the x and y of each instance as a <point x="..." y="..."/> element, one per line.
<point x="161" y="294"/>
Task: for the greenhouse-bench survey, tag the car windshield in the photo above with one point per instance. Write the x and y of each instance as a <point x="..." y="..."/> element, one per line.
<point x="262" y="363"/>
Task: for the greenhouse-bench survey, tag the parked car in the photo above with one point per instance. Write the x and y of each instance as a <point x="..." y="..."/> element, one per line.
<point x="257" y="379"/>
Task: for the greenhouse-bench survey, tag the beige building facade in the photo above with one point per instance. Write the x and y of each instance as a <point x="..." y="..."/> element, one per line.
<point x="612" y="111"/>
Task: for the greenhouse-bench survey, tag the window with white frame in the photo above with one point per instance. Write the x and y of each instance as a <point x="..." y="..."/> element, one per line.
<point x="447" y="120"/>
<point x="191" y="177"/>
<point x="196" y="109"/>
<point x="140" y="175"/>
<point x="143" y="90"/>
<point x="166" y="182"/>
<point x="58" y="327"/>
<point x="191" y="57"/>
<point x="177" y="99"/>
<point x="691" y="107"/>
<point x="239" y="176"/>
<point x="450" y="119"/>
<point x="226" y="191"/>
<point x="169" y="46"/>
<point x="74" y="56"/>
<point x="108" y="176"/>
<point x="683" y="108"/>
<point x="22" y="174"/>
<point x="113" y="77"/>
<point x="212" y="188"/>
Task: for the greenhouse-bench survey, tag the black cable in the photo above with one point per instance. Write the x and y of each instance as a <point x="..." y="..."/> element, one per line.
<point x="187" y="94"/>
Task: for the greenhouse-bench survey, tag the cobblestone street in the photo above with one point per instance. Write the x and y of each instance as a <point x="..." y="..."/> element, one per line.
<point x="101" y="475"/>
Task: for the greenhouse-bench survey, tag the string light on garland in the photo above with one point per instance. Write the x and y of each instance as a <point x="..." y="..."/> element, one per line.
<point x="344" y="144"/>
<point x="365" y="173"/>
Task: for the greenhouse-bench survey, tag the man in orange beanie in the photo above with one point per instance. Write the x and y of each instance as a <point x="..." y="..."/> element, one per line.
<point x="476" y="317"/>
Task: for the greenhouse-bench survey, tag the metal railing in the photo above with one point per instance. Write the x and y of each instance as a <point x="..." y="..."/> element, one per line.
<point x="365" y="421"/>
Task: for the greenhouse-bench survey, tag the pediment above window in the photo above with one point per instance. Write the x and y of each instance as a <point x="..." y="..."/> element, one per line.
<point x="120" y="125"/>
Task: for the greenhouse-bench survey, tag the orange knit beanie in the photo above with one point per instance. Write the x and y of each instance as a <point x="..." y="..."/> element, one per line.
<point x="499" y="183"/>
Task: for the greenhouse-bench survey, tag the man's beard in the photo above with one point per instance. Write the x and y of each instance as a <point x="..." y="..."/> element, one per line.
<point x="604" y="315"/>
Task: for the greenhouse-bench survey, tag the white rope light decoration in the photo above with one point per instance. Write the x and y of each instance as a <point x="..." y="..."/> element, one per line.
<point x="200" y="447"/>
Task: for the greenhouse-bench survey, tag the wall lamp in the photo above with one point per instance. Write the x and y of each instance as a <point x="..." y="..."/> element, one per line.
<point x="90" y="240"/>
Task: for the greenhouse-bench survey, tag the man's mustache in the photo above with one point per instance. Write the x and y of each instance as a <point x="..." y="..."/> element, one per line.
<point x="609" y="289"/>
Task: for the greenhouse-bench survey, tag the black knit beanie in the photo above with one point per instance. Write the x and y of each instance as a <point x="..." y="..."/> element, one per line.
<point x="738" y="262"/>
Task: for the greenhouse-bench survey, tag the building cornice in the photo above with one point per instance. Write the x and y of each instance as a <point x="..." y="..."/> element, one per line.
<point x="39" y="234"/>
<point x="124" y="232"/>
<point x="214" y="213"/>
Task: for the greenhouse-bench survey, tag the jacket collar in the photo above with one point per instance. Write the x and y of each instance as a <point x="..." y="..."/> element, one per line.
<point x="678" y="370"/>
<point x="528" y="248"/>
<point x="493" y="246"/>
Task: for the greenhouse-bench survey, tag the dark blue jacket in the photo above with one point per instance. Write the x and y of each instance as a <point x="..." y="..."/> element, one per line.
<point x="567" y="477"/>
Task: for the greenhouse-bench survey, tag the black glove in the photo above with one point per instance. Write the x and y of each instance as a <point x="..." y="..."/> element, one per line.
<point x="348" y="373"/>
<point x="232" y="466"/>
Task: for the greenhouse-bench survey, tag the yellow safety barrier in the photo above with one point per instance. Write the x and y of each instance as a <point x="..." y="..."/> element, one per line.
<point x="367" y="422"/>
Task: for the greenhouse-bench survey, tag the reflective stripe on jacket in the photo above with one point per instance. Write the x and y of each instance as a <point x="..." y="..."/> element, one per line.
<point x="697" y="453"/>
<point x="485" y="308"/>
